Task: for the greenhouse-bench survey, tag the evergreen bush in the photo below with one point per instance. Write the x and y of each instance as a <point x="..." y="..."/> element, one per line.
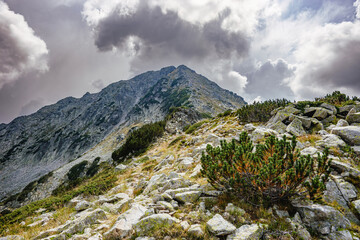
<point x="272" y="173"/>
<point x="260" y="111"/>
<point x="139" y="140"/>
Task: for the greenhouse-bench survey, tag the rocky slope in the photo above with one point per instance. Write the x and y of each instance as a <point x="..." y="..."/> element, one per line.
<point x="162" y="195"/>
<point x="34" y="145"/>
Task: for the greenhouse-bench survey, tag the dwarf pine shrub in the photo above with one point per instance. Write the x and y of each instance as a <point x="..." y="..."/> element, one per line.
<point x="273" y="172"/>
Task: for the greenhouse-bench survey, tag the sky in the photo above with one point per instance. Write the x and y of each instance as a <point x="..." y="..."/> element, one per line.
<point x="260" y="49"/>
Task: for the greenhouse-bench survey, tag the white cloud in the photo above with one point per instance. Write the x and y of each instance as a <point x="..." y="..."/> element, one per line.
<point x="20" y="49"/>
<point x="357" y="5"/>
<point x="328" y="61"/>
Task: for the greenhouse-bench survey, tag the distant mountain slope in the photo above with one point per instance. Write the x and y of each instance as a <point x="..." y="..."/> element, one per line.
<point x="34" y="145"/>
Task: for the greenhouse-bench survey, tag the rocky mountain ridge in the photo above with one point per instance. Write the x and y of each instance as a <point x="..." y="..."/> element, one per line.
<point x="35" y="145"/>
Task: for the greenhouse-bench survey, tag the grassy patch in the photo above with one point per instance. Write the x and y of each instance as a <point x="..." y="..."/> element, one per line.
<point x="176" y="140"/>
<point x="191" y="129"/>
<point x="96" y="185"/>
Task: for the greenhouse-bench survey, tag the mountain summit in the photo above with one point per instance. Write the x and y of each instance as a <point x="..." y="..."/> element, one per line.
<point x="35" y="145"/>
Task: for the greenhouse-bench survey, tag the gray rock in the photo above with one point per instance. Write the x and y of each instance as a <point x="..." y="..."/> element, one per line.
<point x="196" y="231"/>
<point x="173" y="192"/>
<point x="12" y="237"/>
<point x="261" y="133"/>
<point x="188" y="197"/>
<point x="342" y="123"/>
<point x="331" y="140"/>
<point x="213" y="139"/>
<point x="309" y="151"/>
<point x="249" y="127"/>
<point x="247" y="232"/>
<point x="282" y="115"/>
<point x="353" y="117"/>
<point x="322" y="219"/>
<point x="124" y="224"/>
<point x="295" y="128"/>
<point x="147" y="224"/>
<point x="219" y="226"/>
<point x="120" y="167"/>
<point x="186" y="162"/>
<point x="350" y="134"/>
<point x="180" y="118"/>
<point x="340" y="235"/>
<point x="166" y="205"/>
<point x="155" y="182"/>
<point x="329" y="107"/>
<point x="279" y="127"/>
<point x="80" y="206"/>
<point x="234" y="210"/>
<point x="185" y="225"/>
<point x="97" y="236"/>
<point x="356" y="205"/>
<point x="328" y="120"/>
<point x="306" y="122"/>
<point x="317" y="112"/>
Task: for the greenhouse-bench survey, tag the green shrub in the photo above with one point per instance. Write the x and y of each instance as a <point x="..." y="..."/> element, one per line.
<point x="194" y="127"/>
<point x="94" y="167"/>
<point x="272" y="173"/>
<point x="139" y="140"/>
<point x="224" y="114"/>
<point x="176" y="140"/>
<point x="337" y="98"/>
<point x="260" y="111"/>
<point x="97" y="185"/>
<point x="75" y="172"/>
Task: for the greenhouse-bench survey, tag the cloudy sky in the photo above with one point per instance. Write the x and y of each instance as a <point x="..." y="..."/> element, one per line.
<point x="260" y="49"/>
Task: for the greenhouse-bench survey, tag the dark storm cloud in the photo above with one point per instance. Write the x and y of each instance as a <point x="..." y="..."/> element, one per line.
<point x="167" y="32"/>
<point x="344" y="70"/>
<point x="267" y="81"/>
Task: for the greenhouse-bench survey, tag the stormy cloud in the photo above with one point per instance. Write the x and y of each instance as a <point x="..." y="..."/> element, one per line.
<point x="166" y="32"/>
<point x="20" y="49"/>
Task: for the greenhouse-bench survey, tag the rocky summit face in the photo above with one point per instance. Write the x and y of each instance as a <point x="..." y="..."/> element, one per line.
<point x="34" y="145"/>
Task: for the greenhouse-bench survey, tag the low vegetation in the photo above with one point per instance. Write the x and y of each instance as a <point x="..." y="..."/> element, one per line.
<point x="99" y="184"/>
<point x="272" y="173"/>
<point x="259" y="111"/>
<point x="192" y="128"/>
<point x="139" y="141"/>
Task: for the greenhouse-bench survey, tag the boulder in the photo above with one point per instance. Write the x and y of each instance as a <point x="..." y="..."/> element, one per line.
<point x="180" y="118"/>
<point x="196" y="231"/>
<point x="328" y="120"/>
<point x="329" y="107"/>
<point x="279" y="127"/>
<point x="343" y="235"/>
<point x="309" y="151"/>
<point x="219" y="226"/>
<point x="125" y="222"/>
<point x="247" y="232"/>
<point x="148" y="224"/>
<point x="331" y="140"/>
<point x="345" y="109"/>
<point x="317" y="112"/>
<point x="120" y="167"/>
<point x="261" y="133"/>
<point x="186" y="162"/>
<point x="173" y="192"/>
<point x="356" y="205"/>
<point x="353" y="117"/>
<point x="350" y="134"/>
<point x="342" y="123"/>
<point x="80" y="206"/>
<point x="188" y="197"/>
<point x="296" y="128"/>
<point x="306" y="122"/>
<point x="12" y="237"/>
<point x="283" y="115"/>
<point x="322" y="219"/>
<point x="249" y="127"/>
<point x="234" y="210"/>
